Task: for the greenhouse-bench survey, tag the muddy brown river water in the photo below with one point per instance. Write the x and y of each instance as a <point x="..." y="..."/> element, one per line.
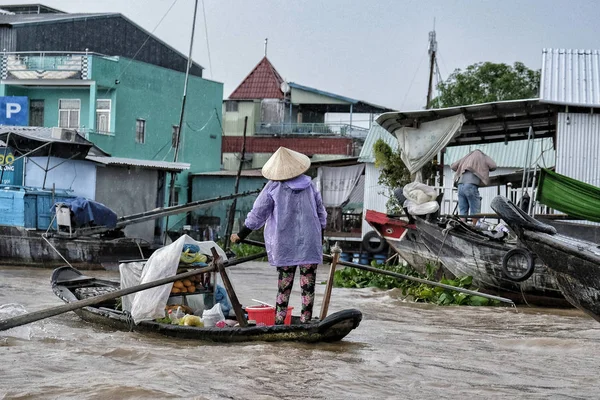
<point x="400" y="351"/>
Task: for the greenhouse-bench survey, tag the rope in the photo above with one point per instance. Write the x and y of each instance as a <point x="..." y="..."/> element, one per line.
<point x="57" y="252"/>
<point x="139" y="248"/>
<point x="129" y="320"/>
<point x="437" y="257"/>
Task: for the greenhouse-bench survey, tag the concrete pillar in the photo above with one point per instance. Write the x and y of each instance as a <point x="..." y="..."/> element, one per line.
<point x="92" y="108"/>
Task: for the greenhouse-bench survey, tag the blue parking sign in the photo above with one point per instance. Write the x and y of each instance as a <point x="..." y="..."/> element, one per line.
<point x="14" y="110"/>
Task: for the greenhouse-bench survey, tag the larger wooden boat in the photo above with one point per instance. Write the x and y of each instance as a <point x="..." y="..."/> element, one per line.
<point x="575" y="263"/>
<point x="466" y="250"/>
<point x="70" y="285"/>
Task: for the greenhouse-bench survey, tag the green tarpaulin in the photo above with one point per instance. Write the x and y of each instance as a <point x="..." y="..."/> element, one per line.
<point x="574" y="198"/>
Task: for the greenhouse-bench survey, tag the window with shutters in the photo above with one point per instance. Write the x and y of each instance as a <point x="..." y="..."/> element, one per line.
<point x="68" y="113"/>
<point x="174" y="138"/>
<point x="140" y="130"/>
<point x="231" y="106"/>
<point x="36" y="113"/>
<point x="103" y="115"/>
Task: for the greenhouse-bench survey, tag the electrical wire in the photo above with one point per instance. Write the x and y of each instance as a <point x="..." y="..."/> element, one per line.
<point x="207" y="45"/>
<point x="140" y="48"/>
<point x="203" y="126"/>
<point x="413" y="80"/>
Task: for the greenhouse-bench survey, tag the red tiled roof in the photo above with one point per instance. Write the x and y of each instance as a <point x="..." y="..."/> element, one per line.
<point x="263" y="82"/>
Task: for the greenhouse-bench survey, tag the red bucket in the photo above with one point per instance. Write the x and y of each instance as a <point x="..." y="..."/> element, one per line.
<point x="265" y="315"/>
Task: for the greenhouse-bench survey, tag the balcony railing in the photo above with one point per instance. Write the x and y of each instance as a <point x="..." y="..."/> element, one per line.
<point x="320" y="129"/>
<point x="45" y="65"/>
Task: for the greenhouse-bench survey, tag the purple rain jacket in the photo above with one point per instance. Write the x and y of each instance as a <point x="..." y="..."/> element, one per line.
<point x="294" y="216"/>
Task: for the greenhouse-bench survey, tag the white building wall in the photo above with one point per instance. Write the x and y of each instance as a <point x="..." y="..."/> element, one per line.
<point x="376" y="195"/>
<point x="578" y="147"/>
<point x="78" y="176"/>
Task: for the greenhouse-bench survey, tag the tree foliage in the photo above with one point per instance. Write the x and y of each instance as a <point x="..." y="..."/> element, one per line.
<point x="393" y="172"/>
<point x="487" y="82"/>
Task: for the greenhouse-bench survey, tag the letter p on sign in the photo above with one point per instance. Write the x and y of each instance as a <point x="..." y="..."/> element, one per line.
<point x="12" y="108"/>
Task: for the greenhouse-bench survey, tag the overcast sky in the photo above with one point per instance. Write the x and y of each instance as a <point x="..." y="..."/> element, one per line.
<point x="372" y="50"/>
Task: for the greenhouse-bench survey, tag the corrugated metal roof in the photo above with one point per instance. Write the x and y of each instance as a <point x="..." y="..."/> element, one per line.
<point x="375" y="133"/>
<point x="510" y="155"/>
<point x="263" y="82"/>
<point x="250" y="173"/>
<point x="131" y="162"/>
<point x="360" y="106"/>
<point x="21" y="19"/>
<point x="489" y="122"/>
<point x="571" y="77"/>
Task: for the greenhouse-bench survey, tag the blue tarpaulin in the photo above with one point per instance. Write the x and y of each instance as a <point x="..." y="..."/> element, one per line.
<point x="88" y="212"/>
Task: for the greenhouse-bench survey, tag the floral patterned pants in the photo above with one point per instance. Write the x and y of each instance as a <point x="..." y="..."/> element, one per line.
<point x="308" y="274"/>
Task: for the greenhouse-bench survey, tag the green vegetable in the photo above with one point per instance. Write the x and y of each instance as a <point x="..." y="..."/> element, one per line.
<point x="420" y="292"/>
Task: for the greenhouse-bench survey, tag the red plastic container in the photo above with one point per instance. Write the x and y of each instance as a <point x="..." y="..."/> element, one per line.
<point x="266" y="315"/>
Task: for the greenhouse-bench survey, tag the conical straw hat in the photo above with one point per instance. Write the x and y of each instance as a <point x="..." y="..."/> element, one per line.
<point x="285" y="164"/>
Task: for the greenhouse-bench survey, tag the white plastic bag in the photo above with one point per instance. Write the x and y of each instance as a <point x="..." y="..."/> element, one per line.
<point x="212" y="316"/>
<point x="419" y="193"/>
<point x="421" y="209"/>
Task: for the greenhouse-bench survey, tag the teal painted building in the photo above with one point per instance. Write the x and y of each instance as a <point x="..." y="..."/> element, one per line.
<point x="117" y="84"/>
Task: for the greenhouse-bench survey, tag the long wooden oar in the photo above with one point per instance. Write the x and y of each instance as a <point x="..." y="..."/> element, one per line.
<point x="50" y="312"/>
<point x="335" y="250"/>
<point x="402" y="276"/>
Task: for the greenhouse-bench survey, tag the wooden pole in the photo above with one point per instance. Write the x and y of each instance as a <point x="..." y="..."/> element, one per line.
<point x="181" y="115"/>
<point x="237" y="307"/>
<point x="335" y="252"/>
<point x="402" y="276"/>
<point x="50" y="312"/>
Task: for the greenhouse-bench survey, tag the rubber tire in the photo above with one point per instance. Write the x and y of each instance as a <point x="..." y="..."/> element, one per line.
<point x="530" y="265"/>
<point x="368" y="246"/>
<point x="517" y="218"/>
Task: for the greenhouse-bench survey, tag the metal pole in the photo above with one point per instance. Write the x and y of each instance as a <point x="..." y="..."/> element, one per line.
<point x="178" y="135"/>
<point x="47" y="166"/>
<point x="4" y="158"/>
<point x="526" y="162"/>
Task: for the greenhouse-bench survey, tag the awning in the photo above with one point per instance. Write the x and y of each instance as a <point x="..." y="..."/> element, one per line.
<point x="132" y="162"/>
<point x="500" y="121"/>
<point x="40" y="142"/>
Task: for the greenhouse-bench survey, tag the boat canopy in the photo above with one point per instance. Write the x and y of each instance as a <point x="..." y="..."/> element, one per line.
<point x="573" y="197"/>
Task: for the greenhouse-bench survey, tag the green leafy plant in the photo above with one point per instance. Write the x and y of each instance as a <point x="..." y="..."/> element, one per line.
<point x="419" y="292"/>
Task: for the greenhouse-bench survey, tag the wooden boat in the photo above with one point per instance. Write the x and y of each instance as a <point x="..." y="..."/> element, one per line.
<point x="70" y="285"/>
<point x="403" y="237"/>
<point x="575" y="263"/>
<point x="466" y="250"/>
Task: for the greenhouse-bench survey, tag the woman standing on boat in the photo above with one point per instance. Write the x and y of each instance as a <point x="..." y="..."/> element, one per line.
<point x="472" y="171"/>
<point x="292" y="211"/>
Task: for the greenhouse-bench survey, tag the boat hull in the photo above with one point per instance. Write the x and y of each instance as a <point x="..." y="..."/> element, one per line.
<point x="70" y="286"/>
<point x="576" y="265"/>
<point x="469" y="254"/>
<point x="19" y="246"/>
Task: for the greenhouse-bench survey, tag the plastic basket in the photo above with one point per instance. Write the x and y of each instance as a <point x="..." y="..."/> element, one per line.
<point x="266" y="315"/>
